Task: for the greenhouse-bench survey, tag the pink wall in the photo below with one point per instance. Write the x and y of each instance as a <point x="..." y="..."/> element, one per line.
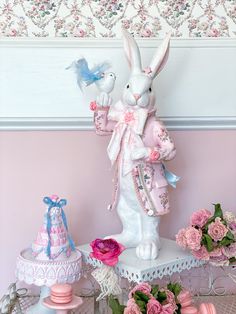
<point x="75" y="166"/>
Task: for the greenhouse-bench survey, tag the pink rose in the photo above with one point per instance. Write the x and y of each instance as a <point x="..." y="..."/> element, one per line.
<point x="230" y="251"/>
<point x="93" y="105"/>
<point x="142" y="287"/>
<point x="185" y="298"/>
<point x="202" y="253"/>
<point x="132" y="308"/>
<point x="168" y="309"/>
<point x="170" y="297"/>
<point x="106" y="251"/>
<point x="154" y="307"/>
<point x="193" y="238"/>
<point x="221" y="260"/>
<point x="216" y="252"/>
<point x="200" y="217"/>
<point x="181" y="238"/>
<point x="216" y="230"/>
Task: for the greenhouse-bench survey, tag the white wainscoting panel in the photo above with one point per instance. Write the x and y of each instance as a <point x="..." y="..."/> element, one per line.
<point x="197" y="88"/>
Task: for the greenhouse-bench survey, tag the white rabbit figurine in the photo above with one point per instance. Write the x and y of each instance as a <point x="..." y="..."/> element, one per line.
<point x="138" y="146"/>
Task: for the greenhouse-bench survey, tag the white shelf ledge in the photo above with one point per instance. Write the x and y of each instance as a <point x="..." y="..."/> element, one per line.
<point x="171" y="259"/>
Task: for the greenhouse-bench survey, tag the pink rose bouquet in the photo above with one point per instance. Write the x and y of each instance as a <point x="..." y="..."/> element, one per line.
<point x="146" y="299"/>
<point x="210" y="237"/>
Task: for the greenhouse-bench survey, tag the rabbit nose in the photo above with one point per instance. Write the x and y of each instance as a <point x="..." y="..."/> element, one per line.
<point x="137" y="96"/>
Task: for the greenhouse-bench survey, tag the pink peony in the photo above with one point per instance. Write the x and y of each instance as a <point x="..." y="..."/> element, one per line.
<point x="106" y="251"/>
<point x="143" y="287"/>
<point x="193" y="238"/>
<point x="185" y="298"/>
<point x="216" y="230"/>
<point x="181" y="238"/>
<point x="202" y="254"/>
<point x="132" y="308"/>
<point x="154" y="307"/>
<point x="200" y="217"/>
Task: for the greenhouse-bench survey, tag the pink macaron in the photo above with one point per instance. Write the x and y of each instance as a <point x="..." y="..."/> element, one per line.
<point x="189" y="310"/>
<point x="185" y="298"/>
<point x="207" y="308"/>
<point x="61" y="293"/>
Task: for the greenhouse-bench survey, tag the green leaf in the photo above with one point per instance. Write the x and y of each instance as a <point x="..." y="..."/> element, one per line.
<point x="232" y="260"/>
<point x="141" y="304"/>
<point x="218" y="211"/>
<point x="225" y="241"/>
<point x="174" y="288"/>
<point x="207" y="241"/>
<point x="230" y="235"/>
<point x="155" y="290"/>
<point x="161" y="296"/>
<point x="178" y="311"/>
<point x="115" y="305"/>
<point x="141" y="296"/>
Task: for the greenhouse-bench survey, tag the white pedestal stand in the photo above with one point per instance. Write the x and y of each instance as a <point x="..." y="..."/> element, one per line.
<point x="45" y="274"/>
<point x="172" y="259"/>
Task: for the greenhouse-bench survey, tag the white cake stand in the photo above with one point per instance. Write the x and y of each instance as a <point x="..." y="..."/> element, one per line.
<point x="45" y="274"/>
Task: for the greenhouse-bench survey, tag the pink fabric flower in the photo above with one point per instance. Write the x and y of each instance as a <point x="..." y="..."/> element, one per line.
<point x="143" y="287"/>
<point x="93" y="105"/>
<point x="200" y="217"/>
<point x="181" y="238"/>
<point x="154" y="307"/>
<point x="193" y="238"/>
<point x="216" y="230"/>
<point x="154" y="155"/>
<point x="201" y="254"/>
<point x="129" y="116"/>
<point x="132" y="308"/>
<point x="106" y="251"/>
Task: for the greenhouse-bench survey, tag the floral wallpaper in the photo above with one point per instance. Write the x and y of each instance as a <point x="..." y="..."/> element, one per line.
<point x="104" y="18"/>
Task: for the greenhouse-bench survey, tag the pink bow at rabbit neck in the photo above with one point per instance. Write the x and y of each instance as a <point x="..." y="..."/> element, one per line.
<point x="126" y="134"/>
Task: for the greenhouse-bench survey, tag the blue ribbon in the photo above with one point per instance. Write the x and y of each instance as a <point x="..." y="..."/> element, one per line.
<point x="171" y="178"/>
<point x="48" y="201"/>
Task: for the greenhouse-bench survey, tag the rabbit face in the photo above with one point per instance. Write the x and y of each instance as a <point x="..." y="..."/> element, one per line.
<point x="138" y="91"/>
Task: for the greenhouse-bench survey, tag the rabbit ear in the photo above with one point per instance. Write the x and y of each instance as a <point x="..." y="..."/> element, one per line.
<point x="160" y="57"/>
<point x="132" y="52"/>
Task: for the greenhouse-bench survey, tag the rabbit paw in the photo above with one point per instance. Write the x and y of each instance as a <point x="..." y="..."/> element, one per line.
<point x="148" y="250"/>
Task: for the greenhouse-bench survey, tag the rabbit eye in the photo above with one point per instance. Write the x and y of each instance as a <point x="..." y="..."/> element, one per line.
<point x="127" y="86"/>
<point x="150" y="90"/>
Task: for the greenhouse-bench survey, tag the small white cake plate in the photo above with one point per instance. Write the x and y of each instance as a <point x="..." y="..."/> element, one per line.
<point x="45" y="274"/>
<point x="172" y="259"/>
<point x="63" y="308"/>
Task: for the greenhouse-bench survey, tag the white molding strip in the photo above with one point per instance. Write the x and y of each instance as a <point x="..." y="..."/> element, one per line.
<point x="114" y="43"/>
<point x="86" y="124"/>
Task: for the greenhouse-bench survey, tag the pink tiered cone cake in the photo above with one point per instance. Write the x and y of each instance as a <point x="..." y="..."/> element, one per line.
<point x="53" y="241"/>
